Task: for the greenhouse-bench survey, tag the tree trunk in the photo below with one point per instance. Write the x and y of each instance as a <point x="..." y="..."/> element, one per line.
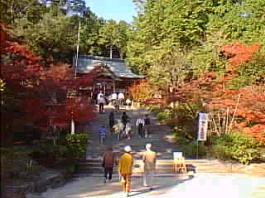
<point x="110" y="52"/>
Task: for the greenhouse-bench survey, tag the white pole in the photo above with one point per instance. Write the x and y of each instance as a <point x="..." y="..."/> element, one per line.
<point x="77" y="46"/>
<point x="72" y="127"/>
<point x="110" y="54"/>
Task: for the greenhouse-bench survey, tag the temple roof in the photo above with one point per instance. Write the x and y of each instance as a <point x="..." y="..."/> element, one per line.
<point x="86" y="64"/>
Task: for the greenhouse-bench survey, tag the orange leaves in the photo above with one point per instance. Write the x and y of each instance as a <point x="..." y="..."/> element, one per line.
<point x="257" y="131"/>
<point x="212" y="91"/>
<point x="154" y="101"/>
<point x="239" y="53"/>
<point x="141" y="91"/>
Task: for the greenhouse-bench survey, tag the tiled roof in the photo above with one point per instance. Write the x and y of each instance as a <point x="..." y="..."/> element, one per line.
<point x="86" y="63"/>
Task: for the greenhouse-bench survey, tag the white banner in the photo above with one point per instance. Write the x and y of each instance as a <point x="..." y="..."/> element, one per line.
<point x="203" y="125"/>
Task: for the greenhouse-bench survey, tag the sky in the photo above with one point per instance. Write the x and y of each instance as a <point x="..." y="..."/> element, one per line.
<point x="113" y="9"/>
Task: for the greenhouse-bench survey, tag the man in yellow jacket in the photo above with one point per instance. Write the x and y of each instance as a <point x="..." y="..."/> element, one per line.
<point x="125" y="169"/>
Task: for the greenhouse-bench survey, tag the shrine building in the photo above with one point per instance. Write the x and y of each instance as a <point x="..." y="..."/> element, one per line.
<point x="115" y="75"/>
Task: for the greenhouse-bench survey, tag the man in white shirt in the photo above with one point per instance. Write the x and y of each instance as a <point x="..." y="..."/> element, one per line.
<point x="121" y="98"/>
<point x="114" y="96"/>
<point x="99" y="95"/>
<point x="101" y="103"/>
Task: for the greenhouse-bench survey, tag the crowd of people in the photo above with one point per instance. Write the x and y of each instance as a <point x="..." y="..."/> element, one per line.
<point x="117" y="100"/>
<point x="125" y="128"/>
<point x="125" y="167"/>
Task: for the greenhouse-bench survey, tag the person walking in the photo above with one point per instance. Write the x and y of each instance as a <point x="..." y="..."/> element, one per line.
<point x="121" y="98"/>
<point x="128" y="130"/>
<point x="116" y="105"/>
<point x="128" y="103"/>
<point x="99" y="95"/>
<point x="111" y="120"/>
<point x="118" y="129"/>
<point x="124" y="118"/>
<point x="108" y="163"/>
<point x="140" y="126"/>
<point x="125" y="169"/>
<point x="102" y="134"/>
<point x="147" y="124"/>
<point x="114" y="97"/>
<point x="149" y="161"/>
<point x="101" y="102"/>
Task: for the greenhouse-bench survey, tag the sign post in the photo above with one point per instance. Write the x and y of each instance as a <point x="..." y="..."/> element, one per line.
<point x="202" y="129"/>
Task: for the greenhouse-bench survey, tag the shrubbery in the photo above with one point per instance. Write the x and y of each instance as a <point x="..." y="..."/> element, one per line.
<point x="189" y="146"/>
<point x="154" y="109"/>
<point x="183" y="121"/>
<point x="48" y="154"/>
<point x="77" y="145"/>
<point x="190" y="150"/>
<point x="165" y="115"/>
<point x="69" y="148"/>
<point x="235" y="146"/>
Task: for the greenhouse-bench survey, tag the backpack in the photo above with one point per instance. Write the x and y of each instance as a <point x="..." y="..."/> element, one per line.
<point x="140" y="125"/>
<point x="147" y="121"/>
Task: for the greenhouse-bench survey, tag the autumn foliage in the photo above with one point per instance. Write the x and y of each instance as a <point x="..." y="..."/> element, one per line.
<point x="39" y="95"/>
<point x="141" y="91"/>
<point x="239" y="53"/>
<point x="246" y="105"/>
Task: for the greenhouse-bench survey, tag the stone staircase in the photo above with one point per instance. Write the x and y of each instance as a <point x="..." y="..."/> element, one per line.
<point x="160" y="137"/>
<point x="164" y="166"/>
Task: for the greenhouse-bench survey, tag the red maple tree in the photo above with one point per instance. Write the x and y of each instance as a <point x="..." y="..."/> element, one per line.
<point x="244" y="106"/>
<point x="249" y="116"/>
<point x="36" y="94"/>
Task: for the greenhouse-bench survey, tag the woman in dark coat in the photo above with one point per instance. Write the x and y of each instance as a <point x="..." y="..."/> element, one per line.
<point x="111" y="120"/>
<point x="124" y="118"/>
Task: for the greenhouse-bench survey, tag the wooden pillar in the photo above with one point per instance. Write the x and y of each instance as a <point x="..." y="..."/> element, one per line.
<point x="114" y="87"/>
<point x="104" y="87"/>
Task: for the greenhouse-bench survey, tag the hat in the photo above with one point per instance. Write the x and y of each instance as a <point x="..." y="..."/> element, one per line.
<point x="127" y="149"/>
<point x="148" y="146"/>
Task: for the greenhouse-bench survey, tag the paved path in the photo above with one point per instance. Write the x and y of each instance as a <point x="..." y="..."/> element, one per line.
<point x="202" y="185"/>
<point x="160" y="136"/>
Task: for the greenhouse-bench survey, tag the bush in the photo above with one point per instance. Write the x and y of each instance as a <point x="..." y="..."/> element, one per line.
<point x="77" y="145"/>
<point x="190" y="149"/>
<point x="164" y="115"/>
<point x="180" y="137"/>
<point x="185" y="119"/>
<point x="49" y="154"/>
<point x="154" y="109"/>
<point x="235" y="146"/>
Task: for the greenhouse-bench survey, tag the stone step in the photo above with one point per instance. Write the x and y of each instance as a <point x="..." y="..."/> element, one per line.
<point x="163" y="166"/>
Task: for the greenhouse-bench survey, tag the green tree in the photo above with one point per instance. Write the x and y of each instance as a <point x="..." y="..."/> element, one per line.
<point x="163" y="24"/>
<point x="114" y="35"/>
<point x="170" y="70"/>
<point x="52" y="37"/>
<point x="89" y="38"/>
<point x="12" y="10"/>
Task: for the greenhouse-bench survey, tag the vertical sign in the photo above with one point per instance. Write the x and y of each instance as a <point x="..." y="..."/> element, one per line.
<point x="203" y="125"/>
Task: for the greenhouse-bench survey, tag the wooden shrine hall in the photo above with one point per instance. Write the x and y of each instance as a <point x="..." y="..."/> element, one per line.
<point x="115" y="75"/>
